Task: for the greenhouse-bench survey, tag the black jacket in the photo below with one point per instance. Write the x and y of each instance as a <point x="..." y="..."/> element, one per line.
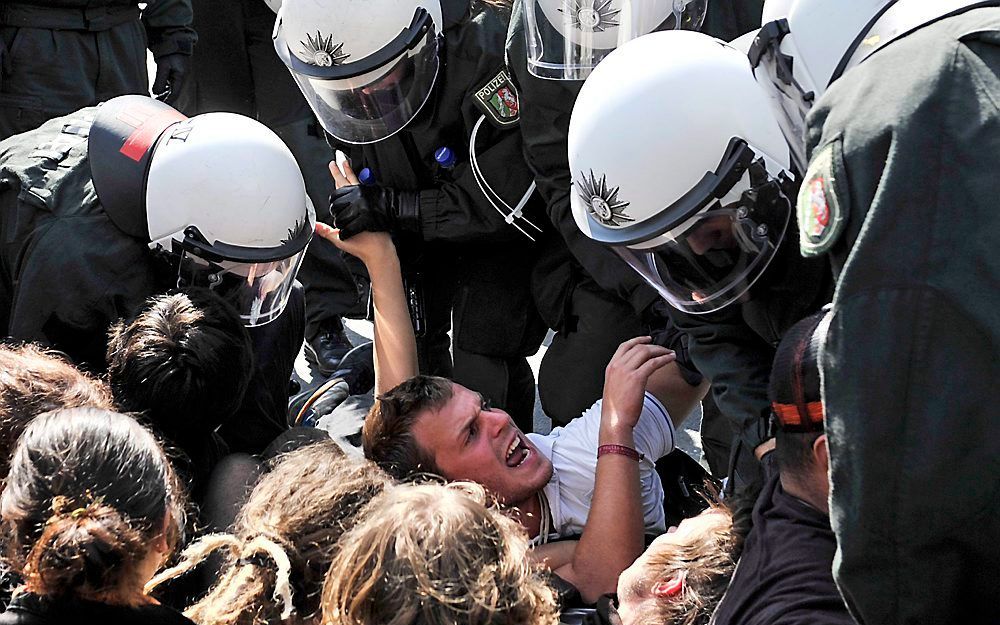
<point x="28" y="609"/>
<point x="784" y="576"/>
<point x="453" y="209"/>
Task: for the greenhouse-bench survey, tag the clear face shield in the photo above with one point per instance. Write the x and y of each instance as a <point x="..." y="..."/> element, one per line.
<point x="706" y="250"/>
<point x="566" y="39"/>
<point x="374" y="98"/>
<point x="258" y="291"/>
<point x="256" y="281"/>
<point x="790" y="101"/>
<point x="712" y="260"/>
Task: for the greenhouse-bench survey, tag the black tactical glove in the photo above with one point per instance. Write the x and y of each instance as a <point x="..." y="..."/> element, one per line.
<point x="171" y="75"/>
<point x="363" y="208"/>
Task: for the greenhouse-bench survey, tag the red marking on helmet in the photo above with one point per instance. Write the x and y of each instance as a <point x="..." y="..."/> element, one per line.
<point x="147" y="128"/>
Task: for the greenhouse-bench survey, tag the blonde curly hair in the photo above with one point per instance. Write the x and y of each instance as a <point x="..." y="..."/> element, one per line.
<point x="284" y="538"/>
<point x="436" y="554"/>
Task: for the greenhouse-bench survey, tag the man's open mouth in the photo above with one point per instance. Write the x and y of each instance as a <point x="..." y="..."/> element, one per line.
<point x="517" y="452"/>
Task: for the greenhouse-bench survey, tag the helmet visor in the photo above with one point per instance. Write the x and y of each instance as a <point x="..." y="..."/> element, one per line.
<point x="379" y="103"/>
<point x="710" y="261"/>
<point x="566" y="39"/>
<point x="259" y="291"/>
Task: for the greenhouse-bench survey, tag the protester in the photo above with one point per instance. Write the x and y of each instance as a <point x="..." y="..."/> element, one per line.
<point x="785" y="574"/>
<point x="184" y="363"/>
<point x="33" y="381"/>
<point x="284" y="539"/>
<point x="434" y="555"/>
<point x="427" y="424"/>
<point x="91" y="508"/>
<point x="683" y="574"/>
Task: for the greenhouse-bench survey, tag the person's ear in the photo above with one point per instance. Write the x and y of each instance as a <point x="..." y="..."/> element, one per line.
<point x="670" y="588"/>
<point x="821" y="453"/>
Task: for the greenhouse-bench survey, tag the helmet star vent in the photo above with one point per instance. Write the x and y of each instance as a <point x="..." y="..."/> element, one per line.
<point x="322" y="52"/>
<point x="591" y="15"/>
<point x="602" y="202"/>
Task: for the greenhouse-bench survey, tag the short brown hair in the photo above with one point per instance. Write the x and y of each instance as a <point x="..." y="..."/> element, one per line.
<point x="388" y="432"/>
<point x="707" y="563"/>
<point x="436" y="554"/>
<point x="284" y="538"/>
<point x="33" y="381"/>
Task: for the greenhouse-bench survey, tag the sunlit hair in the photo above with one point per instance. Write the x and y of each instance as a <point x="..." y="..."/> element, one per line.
<point x="706" y="562"/>
<point x="284" y="538"/>
<point x="435" y="554"/>
<point x="33" y="381"/>
<point x="88" y="492"/>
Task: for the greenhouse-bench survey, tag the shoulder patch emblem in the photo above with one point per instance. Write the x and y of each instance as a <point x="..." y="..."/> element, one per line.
<point x="498" y="99"/>
<point x="821" y="208"/>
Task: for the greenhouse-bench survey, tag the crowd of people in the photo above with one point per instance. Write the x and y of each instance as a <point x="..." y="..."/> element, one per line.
<point x="772" y="216"/>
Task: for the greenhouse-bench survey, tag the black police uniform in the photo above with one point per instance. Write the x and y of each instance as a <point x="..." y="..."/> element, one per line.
<point x="597" y="301"/>
<point x="903" y="174"/>
<point x="466" y="256"/>
<point x="235" y="69"/>
<point x="58" y="56"/>
<point x="67" y="272"/>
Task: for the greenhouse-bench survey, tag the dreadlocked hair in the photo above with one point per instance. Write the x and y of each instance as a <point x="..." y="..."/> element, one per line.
<point x="284" y="539"/>
<point x="436" y="554"/>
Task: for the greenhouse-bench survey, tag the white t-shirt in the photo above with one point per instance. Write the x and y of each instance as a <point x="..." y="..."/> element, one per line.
<point x="573" y="452"/>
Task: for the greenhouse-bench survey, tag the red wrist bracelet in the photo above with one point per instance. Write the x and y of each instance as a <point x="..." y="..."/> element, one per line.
<point x="620" y="450"/>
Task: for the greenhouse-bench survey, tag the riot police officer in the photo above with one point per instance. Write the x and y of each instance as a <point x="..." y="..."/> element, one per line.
<point x="599" y="303"/>
<point x="107" y="206"/>
<point x="894" y="105"/>
<point x="677" y="171"/>
<point x="417" y="93"/>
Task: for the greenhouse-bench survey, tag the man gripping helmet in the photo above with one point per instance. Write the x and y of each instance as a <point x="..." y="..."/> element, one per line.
<point x="893" y="104"/>
<point x="370" y="71"/>
<point x="110" y="205"/>
<point x="568" y="38"/>
<point x="694" y="192"/>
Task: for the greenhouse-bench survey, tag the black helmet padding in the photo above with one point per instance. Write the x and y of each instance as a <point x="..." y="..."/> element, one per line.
<point x="120" y="147"/>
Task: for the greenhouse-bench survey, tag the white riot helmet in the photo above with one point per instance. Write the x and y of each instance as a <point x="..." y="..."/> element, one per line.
<point x="806" y="45"/>
<point x="366" y="67"/>
<point x="566" y="39"/>
<point x="679" y="166"/>
<point x="219" y="191"/>
<point x="798" y="51"/>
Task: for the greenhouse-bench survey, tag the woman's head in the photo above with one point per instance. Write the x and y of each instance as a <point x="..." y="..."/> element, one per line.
<point x="681" y="576"/>
<point x="33" y="381"/>
<point x="285" y="537"/>
<point x="91" y="506"/>
<point x="435" y="554"/>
